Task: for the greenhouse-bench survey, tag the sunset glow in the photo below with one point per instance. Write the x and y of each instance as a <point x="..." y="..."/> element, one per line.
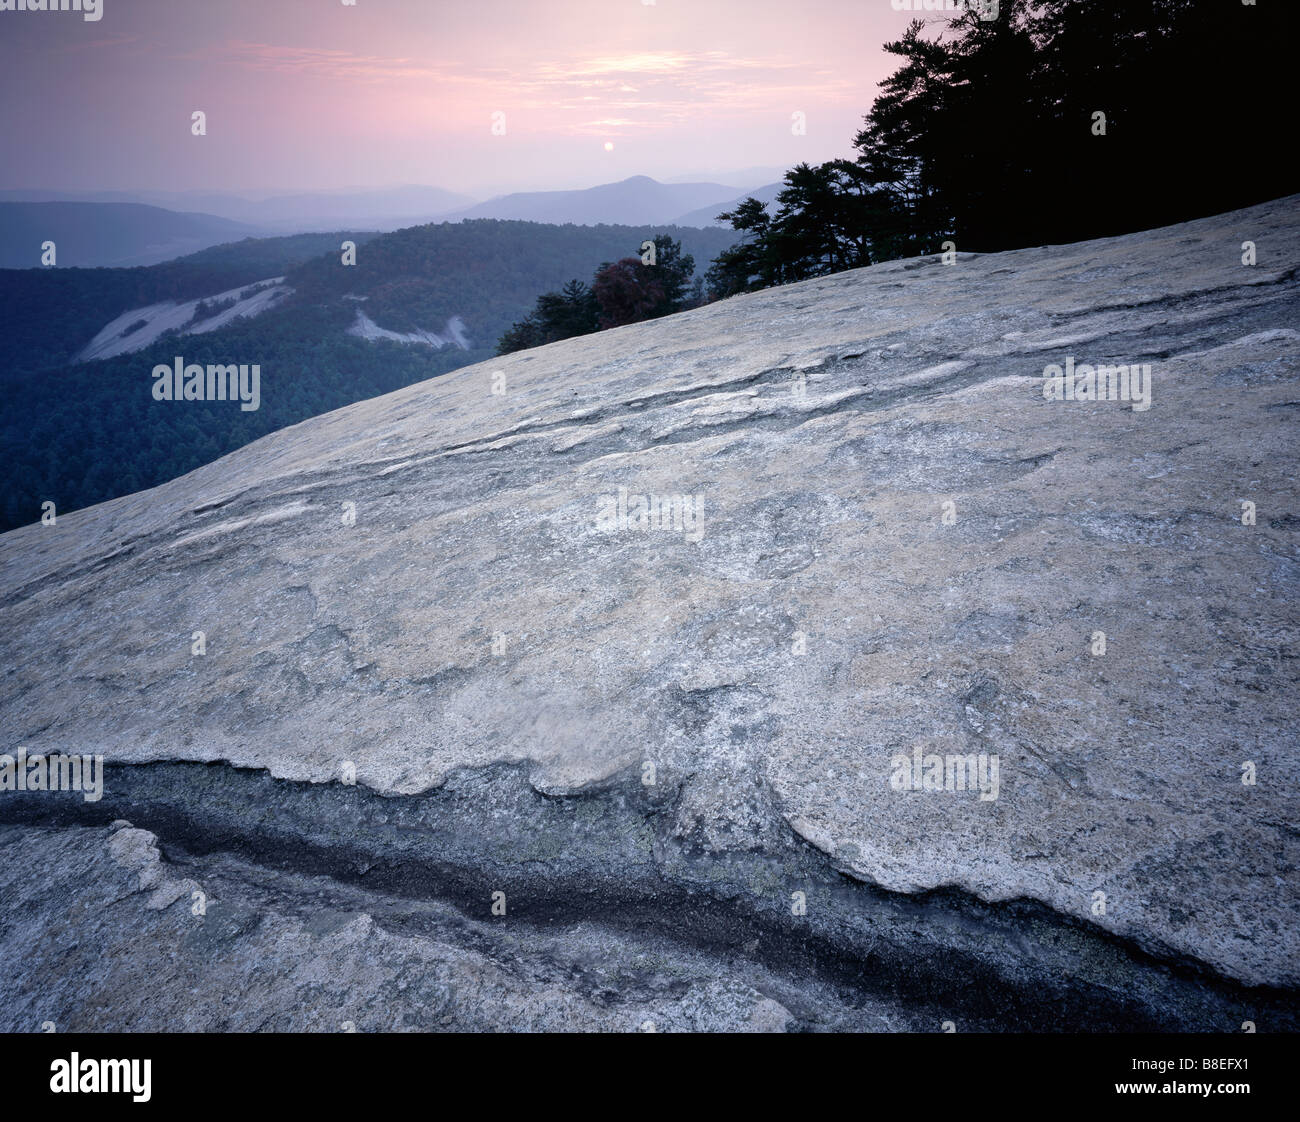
<point x="328" y="95"/>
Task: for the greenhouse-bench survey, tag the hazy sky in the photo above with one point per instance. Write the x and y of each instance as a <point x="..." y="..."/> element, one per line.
<point x="321" y="94"/>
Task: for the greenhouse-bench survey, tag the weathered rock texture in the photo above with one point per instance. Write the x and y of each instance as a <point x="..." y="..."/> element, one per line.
<point x="501" y="665"/>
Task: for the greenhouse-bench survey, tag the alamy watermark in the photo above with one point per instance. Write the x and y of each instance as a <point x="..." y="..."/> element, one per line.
<point x="56" y="772"/>
<point x="985" y="9"/>
<point x="106" y="1077"/>
<point x="92" y="11"/>
<point x="954" y="772"/>
<point x="682" y="514"/>
<point x="1099" y="383"/>
<point x="181" y="382"/>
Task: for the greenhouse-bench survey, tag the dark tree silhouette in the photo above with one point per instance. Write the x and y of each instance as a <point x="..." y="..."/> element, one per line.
<point x="1058" y="121"/>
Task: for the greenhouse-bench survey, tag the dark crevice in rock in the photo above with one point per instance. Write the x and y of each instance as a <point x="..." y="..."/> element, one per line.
<point x="612" y="857"/>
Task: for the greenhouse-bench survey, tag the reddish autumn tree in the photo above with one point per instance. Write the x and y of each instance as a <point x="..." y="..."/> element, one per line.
<point x="626" y="292"/>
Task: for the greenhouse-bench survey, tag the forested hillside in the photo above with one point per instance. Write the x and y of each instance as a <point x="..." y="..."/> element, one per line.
<point x="78" y="434"/>
<point x="48" y="315"/>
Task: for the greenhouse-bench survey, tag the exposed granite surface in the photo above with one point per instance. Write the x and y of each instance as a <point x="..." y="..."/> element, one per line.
<point x="819" y="618"/>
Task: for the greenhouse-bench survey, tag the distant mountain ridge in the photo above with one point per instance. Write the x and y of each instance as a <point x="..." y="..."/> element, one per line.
<point x="636" y="201"/>
<point x="120" y="229"/>
<point x="112" y="234"/>
<point x="708" y="215"/>
<point x="387" y="208"/>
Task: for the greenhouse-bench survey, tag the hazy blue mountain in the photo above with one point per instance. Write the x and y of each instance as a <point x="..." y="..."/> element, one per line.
<point x="90" y="234"/>
<point x="707" y="215"/>
<point x="742" y="179"/>
<point x="630" y="202"/>
<point x="387" y="208"/>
